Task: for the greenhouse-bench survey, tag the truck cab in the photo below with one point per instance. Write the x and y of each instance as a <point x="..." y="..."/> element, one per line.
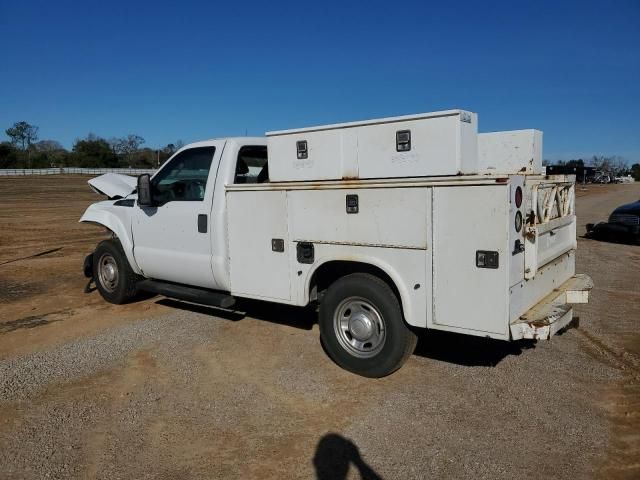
<point x="182" y="236"/>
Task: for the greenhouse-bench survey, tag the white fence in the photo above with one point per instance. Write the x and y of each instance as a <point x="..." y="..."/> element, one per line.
<point x="5" y="172"/>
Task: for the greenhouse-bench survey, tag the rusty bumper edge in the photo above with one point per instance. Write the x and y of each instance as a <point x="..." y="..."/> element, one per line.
<point x="539" y="330"/>
<point x="554" y="312"/>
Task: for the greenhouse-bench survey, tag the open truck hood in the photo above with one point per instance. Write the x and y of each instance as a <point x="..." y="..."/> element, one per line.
<point x="113" y="185"/>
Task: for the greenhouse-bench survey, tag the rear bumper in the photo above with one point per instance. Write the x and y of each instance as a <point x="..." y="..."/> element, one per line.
<point x="554" y="312"/>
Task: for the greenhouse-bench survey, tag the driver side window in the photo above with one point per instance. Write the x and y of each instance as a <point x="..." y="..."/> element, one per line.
<point x="185" y="177"/>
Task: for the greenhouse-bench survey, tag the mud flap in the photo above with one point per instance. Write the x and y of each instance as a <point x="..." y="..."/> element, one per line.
<point x="87" y="269"/>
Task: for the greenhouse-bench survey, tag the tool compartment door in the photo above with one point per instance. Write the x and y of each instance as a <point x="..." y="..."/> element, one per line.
<point x="466" y="297"/>
<point x="551" y="229"/>
<point x="257" y="226"/>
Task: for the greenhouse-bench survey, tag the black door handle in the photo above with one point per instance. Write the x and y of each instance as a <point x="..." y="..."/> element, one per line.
<point x="202" y="223"/>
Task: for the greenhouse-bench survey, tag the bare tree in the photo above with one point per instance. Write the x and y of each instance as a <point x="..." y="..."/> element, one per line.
<point x="114" y="143"/>
<point x="127" y="146"/>
<point x="618" y="165"/>
<point x="48" y="146"/>
<point x="51" y="150"/>
<point x="614" y="164"/>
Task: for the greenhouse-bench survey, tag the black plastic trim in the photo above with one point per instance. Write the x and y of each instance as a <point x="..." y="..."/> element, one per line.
<point x="352" y="203"/>
<point x="190" y="294"/>
<point x="277" y="245"/>
<point x="202" y="223"/>
<point x="487" y="259"/>
<point x="403" y="141"/>
<point x="305" y="252"/>
<point x="302" y="149"/>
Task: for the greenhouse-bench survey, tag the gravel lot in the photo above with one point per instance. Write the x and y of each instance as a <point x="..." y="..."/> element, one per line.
<point x="171" y="390"/>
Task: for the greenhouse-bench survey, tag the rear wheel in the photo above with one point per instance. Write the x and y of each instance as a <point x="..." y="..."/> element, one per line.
<point x="362" y="328"/>
<point x="112" y="274"/>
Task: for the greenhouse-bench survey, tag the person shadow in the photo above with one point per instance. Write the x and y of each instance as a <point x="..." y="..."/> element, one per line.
<point x="335" y="454"/>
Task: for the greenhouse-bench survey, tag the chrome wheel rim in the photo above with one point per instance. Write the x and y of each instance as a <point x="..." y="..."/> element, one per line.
<point x="108" y="272"/>
<point x="359" y="327"/>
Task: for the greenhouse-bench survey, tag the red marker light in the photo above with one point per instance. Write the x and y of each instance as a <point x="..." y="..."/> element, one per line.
<point x="518" y="197"/>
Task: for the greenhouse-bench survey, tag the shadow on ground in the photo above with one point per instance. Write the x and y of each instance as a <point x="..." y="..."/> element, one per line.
<point x="612" y="237"/>
<point x="437" y="345"/>
<point x="614" y="241"/>
<point x="303" y="318"/>
<point x="335" y="454"/>
<point x="467" y="350"/>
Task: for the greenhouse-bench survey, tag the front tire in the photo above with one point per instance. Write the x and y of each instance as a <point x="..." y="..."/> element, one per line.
<point x="362" y="328"/>
<point x="112" y="274"/>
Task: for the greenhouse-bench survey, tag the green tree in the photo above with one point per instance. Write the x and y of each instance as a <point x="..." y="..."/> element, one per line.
<point x="635" y="171"/>
<point x="575" y="163"/>
<point x="94" y="152"/>
<point x="22" y="134"/>
<point x="8" y="156"/>
<point x="48" y="153"/>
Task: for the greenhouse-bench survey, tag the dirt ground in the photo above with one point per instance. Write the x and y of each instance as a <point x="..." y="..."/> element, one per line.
<point x="164" y="389"/>
<point x="42" y="247"/>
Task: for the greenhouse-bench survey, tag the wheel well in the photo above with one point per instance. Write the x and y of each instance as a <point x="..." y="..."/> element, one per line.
<point x="107" y="230"/>
<point x="329" y="272"/>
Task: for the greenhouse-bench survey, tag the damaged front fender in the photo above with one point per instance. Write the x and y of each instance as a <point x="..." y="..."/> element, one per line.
<point x="117" y="220"/>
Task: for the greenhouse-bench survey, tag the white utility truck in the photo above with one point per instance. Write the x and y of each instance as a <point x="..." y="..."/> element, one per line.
<point x="389" y="225"/>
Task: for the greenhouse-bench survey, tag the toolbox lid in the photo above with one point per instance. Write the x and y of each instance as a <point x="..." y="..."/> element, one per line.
<point x="418" y="116"/>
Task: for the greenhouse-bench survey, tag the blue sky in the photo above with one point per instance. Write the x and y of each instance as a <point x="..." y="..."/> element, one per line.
<point x="195" y="70"/>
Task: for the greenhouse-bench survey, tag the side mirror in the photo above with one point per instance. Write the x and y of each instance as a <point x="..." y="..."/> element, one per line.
<point x="144" y="190"/>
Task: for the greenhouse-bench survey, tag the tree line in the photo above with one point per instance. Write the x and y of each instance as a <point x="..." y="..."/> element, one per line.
<point x="613" y="165"/>
<point x="25" y="150"/>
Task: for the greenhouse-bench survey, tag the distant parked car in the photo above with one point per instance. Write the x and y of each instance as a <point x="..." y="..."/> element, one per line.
<point x="623" y="225"/>
<point x="602" y="179"/>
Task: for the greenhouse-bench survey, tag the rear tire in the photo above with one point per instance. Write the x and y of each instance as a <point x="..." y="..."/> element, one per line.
<point x="362" y="328"/>
<point x="112" y="274"/>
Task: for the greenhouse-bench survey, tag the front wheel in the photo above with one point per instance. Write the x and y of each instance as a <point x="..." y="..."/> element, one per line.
<point x="362" y="328"/>
<point x="112" y="274"/>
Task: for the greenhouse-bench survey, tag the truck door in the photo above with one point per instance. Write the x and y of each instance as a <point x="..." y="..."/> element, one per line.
<point x="172" y="240"/>
<point x="469" y="293"/>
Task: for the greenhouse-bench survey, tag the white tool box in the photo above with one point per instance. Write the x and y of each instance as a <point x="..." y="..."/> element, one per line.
<point x="422" y="145"/>
<point x="516" y="151"/>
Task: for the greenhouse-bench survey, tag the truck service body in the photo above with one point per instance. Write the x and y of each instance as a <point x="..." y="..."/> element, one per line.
<point x="390" y="225"/>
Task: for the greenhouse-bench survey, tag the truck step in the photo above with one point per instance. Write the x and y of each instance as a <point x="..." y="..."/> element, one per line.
<point x="190" y="294"/>
<point x="553" y="312"/>
<point x="577" y="288"/>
